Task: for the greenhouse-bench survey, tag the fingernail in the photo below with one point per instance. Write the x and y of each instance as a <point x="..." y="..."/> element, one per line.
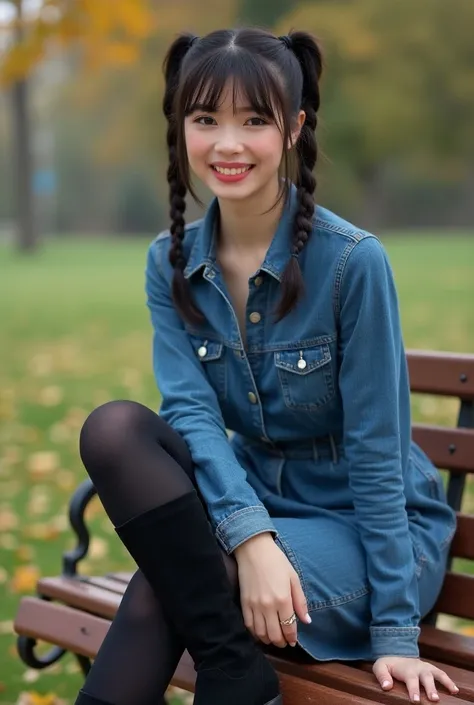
<point x="434" y="696"/>
<point x="308" y="619"/>
<point x="416" y="698"/>
<point x="456" y="689"/>
<point x="385" y="684"/>
<point x="292" y="643"/>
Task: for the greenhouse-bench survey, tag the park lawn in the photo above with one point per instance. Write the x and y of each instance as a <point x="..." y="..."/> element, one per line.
<point x="74" y="333"/>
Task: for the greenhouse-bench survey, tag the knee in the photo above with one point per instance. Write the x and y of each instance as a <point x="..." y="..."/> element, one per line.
<point x="108" y="430"/>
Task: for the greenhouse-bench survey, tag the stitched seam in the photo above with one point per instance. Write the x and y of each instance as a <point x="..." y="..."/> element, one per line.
<point x="291" y="555"/>
<point x="341" y="266"/>
<point x="238" y="513"/>
<point x="341" y="600"/>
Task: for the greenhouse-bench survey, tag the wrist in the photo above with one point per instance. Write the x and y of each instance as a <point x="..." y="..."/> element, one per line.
<point x="255" y="544"/>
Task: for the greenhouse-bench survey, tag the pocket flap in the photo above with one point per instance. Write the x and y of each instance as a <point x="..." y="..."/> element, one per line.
<point x="206" y="350"/>
<point x="304" y="361"/>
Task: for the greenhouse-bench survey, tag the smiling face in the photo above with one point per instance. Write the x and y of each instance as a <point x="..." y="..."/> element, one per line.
<point x="233" y="150"/>
<point x="236" y="149"/>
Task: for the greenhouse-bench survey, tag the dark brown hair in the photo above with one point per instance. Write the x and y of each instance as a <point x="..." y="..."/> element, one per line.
<point x="279" y="76"/>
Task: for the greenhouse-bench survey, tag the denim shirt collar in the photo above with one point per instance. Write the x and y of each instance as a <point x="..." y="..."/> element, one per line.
<point x="203" y="252"/>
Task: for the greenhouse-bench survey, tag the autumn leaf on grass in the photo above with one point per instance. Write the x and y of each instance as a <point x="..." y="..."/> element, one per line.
<point x="41" y="532"/>
<point x="8" y="519"/>
<point x="32" y="698"/>
<point x="98" y="548"/>
<point x="50" y="396"/>
<point x="42" y="464"/>
<point x="24" y="579"/>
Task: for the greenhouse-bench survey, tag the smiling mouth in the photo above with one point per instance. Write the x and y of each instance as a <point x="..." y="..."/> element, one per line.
<point x="232" y="171"/>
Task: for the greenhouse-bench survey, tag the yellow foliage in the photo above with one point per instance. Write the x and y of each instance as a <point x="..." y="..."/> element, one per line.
<point x="25" y="578"/>
<point x="109" y="33"/>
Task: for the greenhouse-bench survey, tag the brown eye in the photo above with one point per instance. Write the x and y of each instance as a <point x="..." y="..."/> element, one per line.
<point x="257" y="121"/>
<point x="205" y="120"/>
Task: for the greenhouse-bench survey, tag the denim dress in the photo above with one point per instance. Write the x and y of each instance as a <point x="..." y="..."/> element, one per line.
<point x="305" y="431"/>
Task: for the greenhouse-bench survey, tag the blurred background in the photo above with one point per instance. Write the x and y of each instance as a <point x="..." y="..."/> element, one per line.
<point x="83" y="191"/>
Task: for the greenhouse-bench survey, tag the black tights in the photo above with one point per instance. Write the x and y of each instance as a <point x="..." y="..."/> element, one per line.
<point x="136" y="462"/>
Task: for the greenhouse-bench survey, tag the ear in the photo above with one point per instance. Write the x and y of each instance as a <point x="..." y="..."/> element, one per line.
<point x="295" y="133"/>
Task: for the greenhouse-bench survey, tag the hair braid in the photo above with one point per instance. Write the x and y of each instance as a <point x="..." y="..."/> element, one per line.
<point x="309" y="56"/>
<point x="177" y="189"/>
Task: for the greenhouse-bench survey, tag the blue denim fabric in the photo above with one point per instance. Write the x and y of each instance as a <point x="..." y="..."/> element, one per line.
<point x="319" y="407"/>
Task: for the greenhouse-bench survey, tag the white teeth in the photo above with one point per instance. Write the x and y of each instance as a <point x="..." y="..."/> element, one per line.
<point x="232" y="172"/>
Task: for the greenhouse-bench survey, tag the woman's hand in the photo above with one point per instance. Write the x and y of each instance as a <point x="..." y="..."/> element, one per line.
<point x="413" y="672"/>
<point x="270" y="591"/>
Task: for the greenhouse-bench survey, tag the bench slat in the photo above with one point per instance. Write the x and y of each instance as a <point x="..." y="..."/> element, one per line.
<point x="83" y="633"/>
<point x="448" y="448"/>
<point x="454" y="649"/>
<point x="456" y="596"/>
<point x="81" y="595"/>
<point x="441" y="373"/>
<point x="463" y="542"/>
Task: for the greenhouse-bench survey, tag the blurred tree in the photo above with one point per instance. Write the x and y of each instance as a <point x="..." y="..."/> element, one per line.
<point x="264" y="13"/>
<point x="398" y="90"/>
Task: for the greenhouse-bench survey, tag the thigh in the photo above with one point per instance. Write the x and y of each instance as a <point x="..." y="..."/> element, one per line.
<point x="328" y="556"/>
<point x="327" y="553"/>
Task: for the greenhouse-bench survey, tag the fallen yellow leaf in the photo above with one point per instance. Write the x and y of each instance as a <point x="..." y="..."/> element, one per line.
<point x="42" y="464"/>
<point x="51" y="396"/>
<point x="25" y="553"/>
<point x="24" y="579"/>
<point x="98" y="548"/>
<point x="8" y="519"/>
<point x="9" y="542"/>
<point x="32" y="698"/>
<point x="41" y="532"/>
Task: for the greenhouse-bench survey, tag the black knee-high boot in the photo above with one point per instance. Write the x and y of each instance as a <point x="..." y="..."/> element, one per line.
<point x="175" y="548"/>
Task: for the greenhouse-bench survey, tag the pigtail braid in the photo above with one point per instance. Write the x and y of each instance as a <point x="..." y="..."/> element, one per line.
<point x="177" y="189"/>
<point x="309" y="56"/>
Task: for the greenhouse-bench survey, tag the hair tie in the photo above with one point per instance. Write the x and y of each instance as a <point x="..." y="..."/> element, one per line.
<point x="295" y="255"/>
<point x="287" y="41"/>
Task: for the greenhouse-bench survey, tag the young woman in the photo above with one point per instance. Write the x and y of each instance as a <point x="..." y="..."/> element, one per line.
<point x="319" y="523"/>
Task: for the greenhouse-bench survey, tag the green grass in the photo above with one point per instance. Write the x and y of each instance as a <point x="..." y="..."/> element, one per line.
<point x="74" y="332"/>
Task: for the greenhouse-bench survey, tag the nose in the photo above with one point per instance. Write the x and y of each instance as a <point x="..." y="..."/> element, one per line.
<point x="228" y="142"/>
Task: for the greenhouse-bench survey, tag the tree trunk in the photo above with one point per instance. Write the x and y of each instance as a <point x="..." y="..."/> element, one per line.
<point x="27" y="236"/>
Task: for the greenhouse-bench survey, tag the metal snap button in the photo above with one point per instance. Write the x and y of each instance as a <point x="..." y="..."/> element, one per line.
<point x="202" y="352"/>
<point x="252" y="398"/>
<point x="255" y="317"/>
<point x="258" y="281"/>
<point x="302" y="364"/>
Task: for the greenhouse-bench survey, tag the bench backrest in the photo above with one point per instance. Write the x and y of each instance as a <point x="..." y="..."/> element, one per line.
<point x="451" y="449"/>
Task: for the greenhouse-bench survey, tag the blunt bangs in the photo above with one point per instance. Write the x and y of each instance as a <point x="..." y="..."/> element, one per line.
<point x="252" y="79"/>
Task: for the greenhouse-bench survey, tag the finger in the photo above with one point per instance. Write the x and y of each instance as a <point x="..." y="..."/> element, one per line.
<point x="289" y="631"/>
<point x="274" y="629"/>
<point x="381" y="672"/>
<point x="428" y="683"/>
<point x="443" y="678"/>
<point x="413" y="687"/>
<point x="247" y="614"/>
<point x="299" y="600"/>
<point x="261" y="626"/>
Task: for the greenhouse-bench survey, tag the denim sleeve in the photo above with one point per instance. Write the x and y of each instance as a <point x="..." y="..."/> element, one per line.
<point x="375" y="395"/>
<point x="190" y="406"/>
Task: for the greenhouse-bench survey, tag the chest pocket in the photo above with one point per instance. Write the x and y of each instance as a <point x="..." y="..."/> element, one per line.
<point x="212" y="356"/>
<point x="306" y="377"/>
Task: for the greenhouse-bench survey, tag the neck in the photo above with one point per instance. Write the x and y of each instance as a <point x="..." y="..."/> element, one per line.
<point x="250" y="225"/>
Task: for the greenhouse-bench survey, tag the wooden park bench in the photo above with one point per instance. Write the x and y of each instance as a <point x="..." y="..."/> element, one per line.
<point x="73" y="612"/>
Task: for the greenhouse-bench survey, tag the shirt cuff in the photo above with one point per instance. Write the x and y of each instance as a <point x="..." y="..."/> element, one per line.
<point x="242" y="525"/>
<point x="394" y="641"/>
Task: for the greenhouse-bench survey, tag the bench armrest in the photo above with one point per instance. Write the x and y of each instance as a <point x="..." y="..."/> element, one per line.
<point x="77" y="506"/>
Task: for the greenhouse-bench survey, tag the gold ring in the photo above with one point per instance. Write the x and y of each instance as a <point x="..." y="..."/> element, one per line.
<point x="290" y="621"/>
